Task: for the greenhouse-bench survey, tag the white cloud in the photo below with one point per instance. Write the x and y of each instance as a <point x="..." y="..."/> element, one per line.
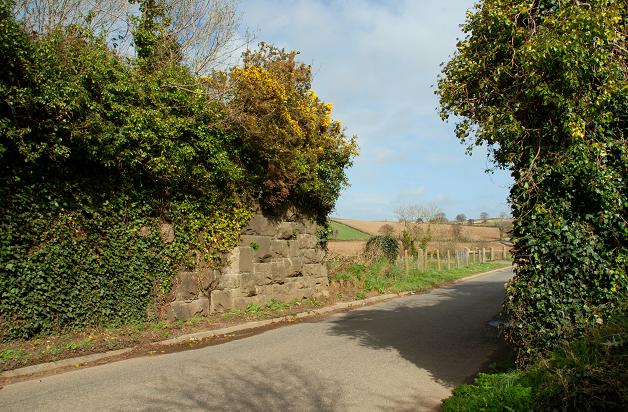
<point x="376" y="62"/>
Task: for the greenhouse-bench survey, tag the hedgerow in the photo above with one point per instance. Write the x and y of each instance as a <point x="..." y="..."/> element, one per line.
<point x="543" y="84"/>
<point x="98" y="152"/>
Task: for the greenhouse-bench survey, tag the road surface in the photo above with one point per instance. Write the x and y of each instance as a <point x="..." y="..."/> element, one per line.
<point x="404" y="354"/>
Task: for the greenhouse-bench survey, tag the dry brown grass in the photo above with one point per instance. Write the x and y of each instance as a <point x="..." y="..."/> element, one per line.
<point x="471" y="237"/>
<point x="473" y="233"/>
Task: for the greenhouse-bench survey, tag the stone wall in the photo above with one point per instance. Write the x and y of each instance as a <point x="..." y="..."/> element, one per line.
<point x="278" y="257"/>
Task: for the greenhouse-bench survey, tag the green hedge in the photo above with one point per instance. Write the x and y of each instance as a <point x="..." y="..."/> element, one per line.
<point x="98" y="150"/>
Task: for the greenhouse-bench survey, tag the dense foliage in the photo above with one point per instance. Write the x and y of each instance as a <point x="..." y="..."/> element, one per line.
<point x="381" y="247"/>
<point x="589" y="373"/>
<point x="543" y="84"/>
<point x="103" y="157"/>
<point x="295" y="150"/>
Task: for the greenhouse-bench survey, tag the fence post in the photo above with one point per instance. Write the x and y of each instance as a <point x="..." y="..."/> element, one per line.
<point x="405" y="256"/>
<point x="438" y="259"/>
<point x="457" y="252"/>
<point x="466" y="256"/>
<point x="492" y="254"/>
<point x="448" y="260"/>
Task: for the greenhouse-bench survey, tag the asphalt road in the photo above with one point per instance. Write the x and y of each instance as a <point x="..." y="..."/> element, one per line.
<point x="405" y="354"/>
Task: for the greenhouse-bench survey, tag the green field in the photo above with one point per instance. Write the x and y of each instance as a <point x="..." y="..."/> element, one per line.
<point x="344" y="232"/>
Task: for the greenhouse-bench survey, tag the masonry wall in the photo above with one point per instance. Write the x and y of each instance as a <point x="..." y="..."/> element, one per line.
<point x="278" y="257"/>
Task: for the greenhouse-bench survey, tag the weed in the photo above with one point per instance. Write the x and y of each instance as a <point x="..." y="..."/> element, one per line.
<point x="195" y="321"/>
<point x="360" y="295"/>
<point x="14" y="355"/>
<point x="254" y="245"/>
<point x="253" y="309"/>
<point x="511" y="391"/>
<point x="87" y="343"/>
<point x="312" y="302"/>
<point x="231" y="314"/>
<point x="275" y="305"/>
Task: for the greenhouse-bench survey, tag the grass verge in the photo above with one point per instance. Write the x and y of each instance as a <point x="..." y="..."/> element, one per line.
<point x="383" y="276"/>
<point x="372" y="280"/>
<point x="22" y="353"/>
<point x="585" y="374"/>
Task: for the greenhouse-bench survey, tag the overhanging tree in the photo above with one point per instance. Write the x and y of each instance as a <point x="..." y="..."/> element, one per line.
<point x="543" y="85"/>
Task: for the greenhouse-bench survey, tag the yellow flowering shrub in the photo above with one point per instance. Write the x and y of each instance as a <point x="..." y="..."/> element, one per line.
<point x="299" y="153"/>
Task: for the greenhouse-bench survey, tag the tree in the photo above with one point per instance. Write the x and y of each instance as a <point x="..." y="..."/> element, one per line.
<point x="542" y="84"/>
<point x="386" y="230"/>
<point x="460" y="218"/>
<point x="439" y="218"/>
<point x="484" y="216"/>
<point x="412" y="216"/>
<point x="205" y="31"/>
<point x="296" y="150"/>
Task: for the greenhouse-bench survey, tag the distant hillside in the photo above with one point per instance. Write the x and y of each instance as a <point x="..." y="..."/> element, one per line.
<point x="343" y="232"/>
<point x="440" y="231"/>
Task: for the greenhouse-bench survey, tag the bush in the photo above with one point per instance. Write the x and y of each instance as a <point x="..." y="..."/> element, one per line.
<point x="512" y="391"/>
<point x="543" y="85"/>
<point x="381" y="247"/>
<point x="97" y="151"/>
<point x="586" y="374"/>
<point x="589" y="373"/>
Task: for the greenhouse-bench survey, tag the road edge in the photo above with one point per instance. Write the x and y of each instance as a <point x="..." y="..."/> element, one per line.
<point x="98" y="358"/>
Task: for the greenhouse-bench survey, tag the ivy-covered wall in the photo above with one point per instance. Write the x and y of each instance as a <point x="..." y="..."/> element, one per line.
<point x="100" y="152"/>
<point x="279" y="257"/>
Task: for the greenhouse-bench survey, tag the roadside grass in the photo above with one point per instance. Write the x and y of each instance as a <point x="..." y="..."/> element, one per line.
<point x="365" y="280"/>
<point x="344" y="232"/>
<point x="589" y="373"/>
<point x="383" y="277"/>
<point x="17" y="354"/>
<point x="509" y="391"/>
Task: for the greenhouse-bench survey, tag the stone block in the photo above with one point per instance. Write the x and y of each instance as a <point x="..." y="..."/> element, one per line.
<point x="221" y="300"/>
<point x="293" y="248"/>
<point x="208" y="280"/>
<point x="309" y="226"/>
<point x="280" y="248"/>
<point x="314" y="270"/>
<point x="259" y="244"/>
<point x="247" y="256"/>
<point x="241" y="302"/>
<point x="315" y="255"/>
<point x="229" y="281"/>
<point x="307" y="241"/>
<point x="263" y="268"/>
<point x="294" y="267"/>
<point x="259" y="225"/>
<point x="286" y="230"/>
<point x="186" y="286"/>
<point x="166" y="232"/>
<point x="280" y="269"/>
<point x="185" y="310"/>
<point x="248" y="281"/>
<point x="232" y="262"/>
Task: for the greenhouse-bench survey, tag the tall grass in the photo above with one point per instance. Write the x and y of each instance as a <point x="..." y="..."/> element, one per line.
<point x="585" y="374"/>
<point x="383" y="276"/>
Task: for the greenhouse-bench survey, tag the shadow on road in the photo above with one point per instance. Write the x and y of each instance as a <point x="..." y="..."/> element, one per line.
<point x="445" y="332"/>
<point x="283" y="387"/>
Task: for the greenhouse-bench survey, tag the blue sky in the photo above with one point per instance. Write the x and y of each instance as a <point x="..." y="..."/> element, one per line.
<point x="377" y="62"/>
